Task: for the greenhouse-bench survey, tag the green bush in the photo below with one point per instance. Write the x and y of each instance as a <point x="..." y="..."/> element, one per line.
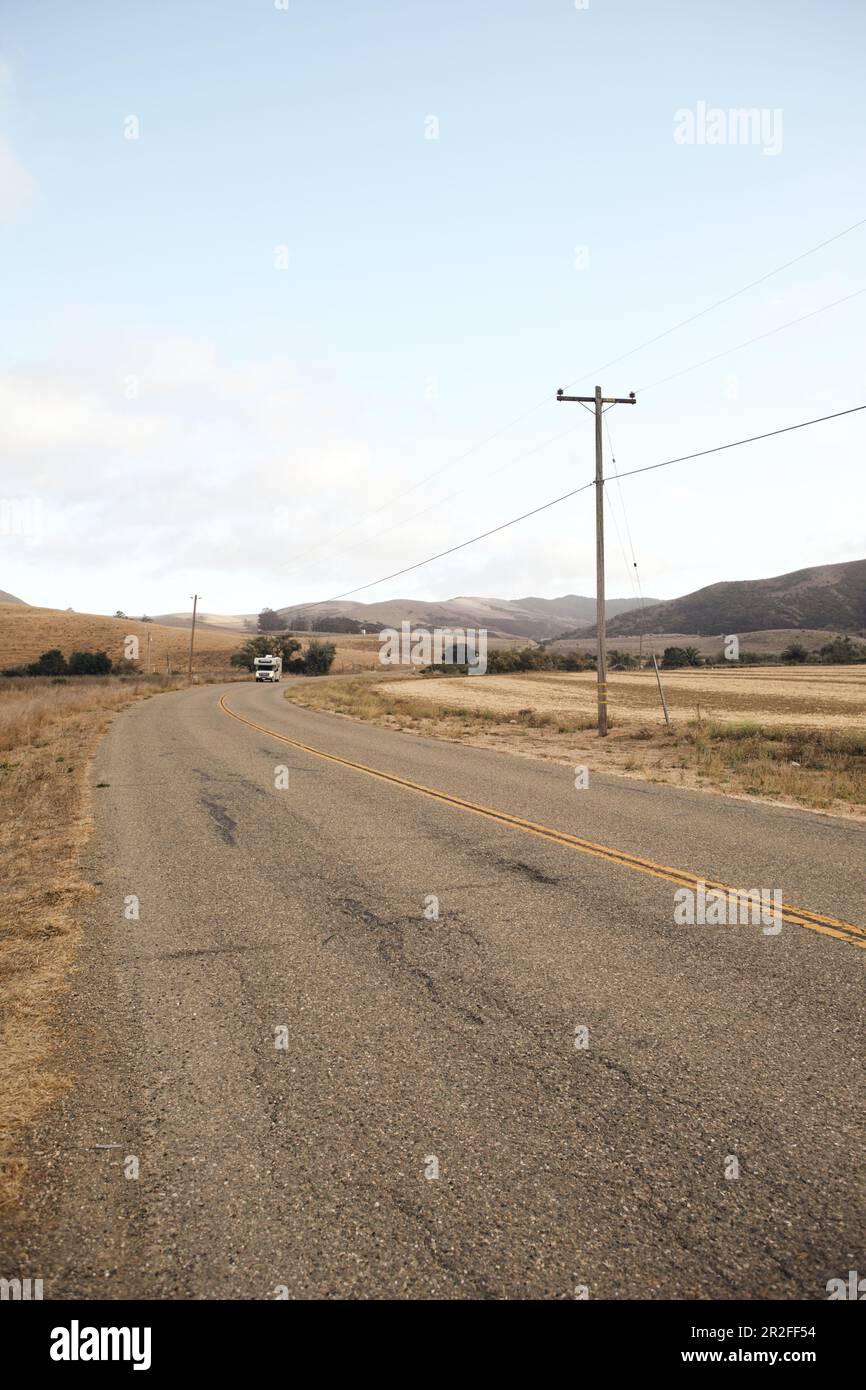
<point x="674" y="657"/>
<point x="318" y="658"/>
<point x="795" y="653"/>
<point x="502" y="662"/>
<point x="89" y="664"/>
<point x="52" y="663"/>
<point x="276" y="645"/>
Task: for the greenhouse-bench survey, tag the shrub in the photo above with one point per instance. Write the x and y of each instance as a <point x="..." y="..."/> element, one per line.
<point x="841" y="650"/>
<point x="796" y="652"/>
<point x="89" y="664"/>
<point x="51" y="663"/>
<point x="674" y="657"/>
<point x="318" y="658"/>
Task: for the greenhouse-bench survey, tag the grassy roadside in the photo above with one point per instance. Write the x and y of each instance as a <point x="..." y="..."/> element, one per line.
<point x="809" y="767"/>
<point x="48" y="735"/>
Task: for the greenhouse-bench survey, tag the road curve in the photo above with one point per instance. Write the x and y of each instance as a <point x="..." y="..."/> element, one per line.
<point x="326" y="1089"/>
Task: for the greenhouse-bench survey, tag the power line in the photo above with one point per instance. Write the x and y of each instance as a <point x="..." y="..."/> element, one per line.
<point x="759" y="338"/>
<point x="819" y="420"/>
<point x="638" y="586"/>
<point x="719" y="302"/>
<point x="518" y="419"/>
<point x="684" y="458"/>
<point x="792" y="323"/>
<point x="461" y="546"/>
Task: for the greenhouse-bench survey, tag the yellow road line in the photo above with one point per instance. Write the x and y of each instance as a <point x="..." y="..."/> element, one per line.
<point x="797" y="916"/>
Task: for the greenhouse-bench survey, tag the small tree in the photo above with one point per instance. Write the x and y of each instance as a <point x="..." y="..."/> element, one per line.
<point x="52" y="663"/>
<point x="89" y="664"/>
<point x="796" y="652"/>
<point x="842" y="650"/>
<point x="283" y="645"/>
<point x="318" y="658"/>
<point x="269" y="621"/>
<point x="673" y="657"/>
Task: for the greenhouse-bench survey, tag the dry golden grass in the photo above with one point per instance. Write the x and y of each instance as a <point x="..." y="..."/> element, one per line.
<point x="26" y="632"/>
<point x="793" y="736"/>
<point x="354" y="653"/>
<point x="48" y="733"/>
<point x="821" y="696"/>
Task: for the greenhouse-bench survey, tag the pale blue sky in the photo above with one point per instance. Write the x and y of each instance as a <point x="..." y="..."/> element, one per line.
<point x="277" y="408"/>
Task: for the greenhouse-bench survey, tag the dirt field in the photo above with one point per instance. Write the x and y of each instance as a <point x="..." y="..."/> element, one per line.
<point x="25" y="632"/>
<point x="793" y="735"/>
<point x="821" y="696"/>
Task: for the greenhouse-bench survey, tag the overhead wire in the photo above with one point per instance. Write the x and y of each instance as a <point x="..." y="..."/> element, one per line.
<point x="666" y="463"/>
<point x="649" y="342"/>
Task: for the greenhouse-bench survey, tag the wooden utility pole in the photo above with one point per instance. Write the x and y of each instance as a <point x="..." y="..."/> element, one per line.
<point x="600" y="401"/>
<point x="195" y="598"/>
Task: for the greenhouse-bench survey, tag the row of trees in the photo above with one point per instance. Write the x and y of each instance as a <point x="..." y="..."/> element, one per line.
<point x="316" y="660"/>
<point x="537" y="659"/>
<point x="54" y="663"/>
<point x="271" y="621"/>
<point x="841" y="651"/>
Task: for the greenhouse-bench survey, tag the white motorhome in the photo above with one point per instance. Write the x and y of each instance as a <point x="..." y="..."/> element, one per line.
<point x="268" y="668"/>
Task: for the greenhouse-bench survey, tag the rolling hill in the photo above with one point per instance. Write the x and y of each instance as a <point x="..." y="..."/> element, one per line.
<point x="522" y="617"/>
<point x="26" y="631"/>
<point x="826" y="596"/>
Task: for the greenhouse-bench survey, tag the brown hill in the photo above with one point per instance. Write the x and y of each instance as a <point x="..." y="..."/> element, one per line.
<point x="531" y="617"/>
<point x="830" y="597"/>
<point x="27" y="631"/>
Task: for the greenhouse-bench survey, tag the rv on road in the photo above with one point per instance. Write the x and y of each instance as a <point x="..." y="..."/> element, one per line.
<point x="268" y="668"/>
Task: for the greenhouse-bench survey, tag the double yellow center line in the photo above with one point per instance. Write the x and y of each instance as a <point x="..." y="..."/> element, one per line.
<point x="796" y="916"/>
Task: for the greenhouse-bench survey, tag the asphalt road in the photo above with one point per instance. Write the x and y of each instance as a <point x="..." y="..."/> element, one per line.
<point x="291" y="1046"/>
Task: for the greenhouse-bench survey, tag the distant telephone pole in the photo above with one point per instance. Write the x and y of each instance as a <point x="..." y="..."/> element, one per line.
<point x="195" y="598"/>
<point x="599" y="402"/>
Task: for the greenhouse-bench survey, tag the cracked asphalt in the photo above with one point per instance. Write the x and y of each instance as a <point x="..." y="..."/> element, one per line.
<point x="289" y="1040"/>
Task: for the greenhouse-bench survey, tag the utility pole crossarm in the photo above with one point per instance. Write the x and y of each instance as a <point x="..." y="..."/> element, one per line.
<point x="630" y="399"/>
<point x="598" y="401"/>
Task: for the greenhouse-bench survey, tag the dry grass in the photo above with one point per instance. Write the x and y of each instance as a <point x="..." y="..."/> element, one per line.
<point x="26" y="632"/>
<point x="48" y="733"/>
<point x="803" y="741"/>
<point x="823" y="696"/>
<point x="354" y="653"/>
<point x="824" y="769"/>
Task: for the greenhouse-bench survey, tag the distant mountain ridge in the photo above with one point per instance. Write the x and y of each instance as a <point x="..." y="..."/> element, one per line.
<point x="531" y="617"/>
<point x="824" y="596"/>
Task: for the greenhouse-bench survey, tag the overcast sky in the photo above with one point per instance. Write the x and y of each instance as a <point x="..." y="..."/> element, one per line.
<point x="354" y="240"/>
